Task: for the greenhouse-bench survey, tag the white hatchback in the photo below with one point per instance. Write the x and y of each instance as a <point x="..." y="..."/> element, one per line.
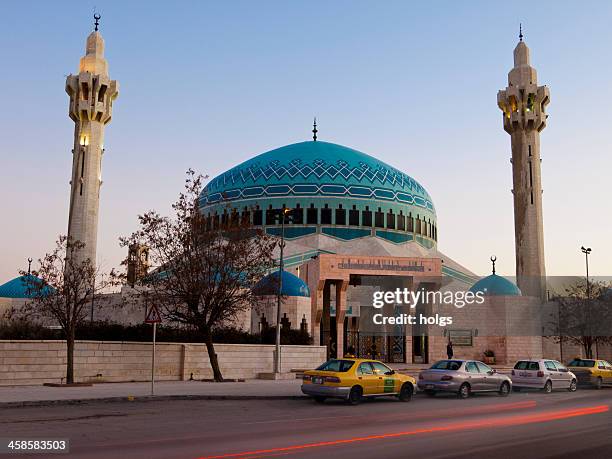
<point x="542" y="374"/>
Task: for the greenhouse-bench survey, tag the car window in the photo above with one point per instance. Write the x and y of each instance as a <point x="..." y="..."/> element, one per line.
<point x="483" y="368"/>
<point x="379" y="368"/>
<point x="471" y="367"/>
<point x="527" y="365"/>
<point x="559" y="366"/>
<point x="582" y="363"/>
<point x="453" y="365"/>
<point x="341" y="366"/>
<point x="550" y="366"/>
<point x="364" y="369"/>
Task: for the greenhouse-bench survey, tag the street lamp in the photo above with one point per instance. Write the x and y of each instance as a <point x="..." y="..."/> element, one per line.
<point x="587" y="252"/>
<point x="277" y="363"/>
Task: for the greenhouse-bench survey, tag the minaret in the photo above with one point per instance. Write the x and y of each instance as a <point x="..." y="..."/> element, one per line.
<point x="91" y="100"/>
<point x="523" y="103"/>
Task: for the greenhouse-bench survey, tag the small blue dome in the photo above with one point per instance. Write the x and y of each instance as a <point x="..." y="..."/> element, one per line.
<point x="495" y="285"/>
<point x="20" y="287"/>
<point x="292" y="285"/>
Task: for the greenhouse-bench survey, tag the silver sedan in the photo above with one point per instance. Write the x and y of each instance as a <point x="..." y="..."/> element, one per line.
<point x="463" y="377"/>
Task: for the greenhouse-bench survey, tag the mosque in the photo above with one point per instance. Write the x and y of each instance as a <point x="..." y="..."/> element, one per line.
<point x="351" y="225"/>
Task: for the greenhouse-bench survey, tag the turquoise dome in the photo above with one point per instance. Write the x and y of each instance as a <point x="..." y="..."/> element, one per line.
<point x="292" y="285"/>
<point x="316" y="168"/>
<point x="19" y="287"/>
<point x="495" y="285"/>
<point x="330" y="189"/>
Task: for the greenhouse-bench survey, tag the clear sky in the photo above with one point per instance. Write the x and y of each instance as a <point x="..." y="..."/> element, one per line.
<point x="210" y="84"/>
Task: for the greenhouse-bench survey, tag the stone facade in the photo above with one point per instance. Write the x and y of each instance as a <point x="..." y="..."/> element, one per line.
<point x="37" y="362"/>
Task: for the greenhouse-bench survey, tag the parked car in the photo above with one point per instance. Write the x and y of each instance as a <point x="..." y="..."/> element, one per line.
<point x="591" y="372"/>
<point x="542" y="374"/>
<point x="352" y="379"/>
<point x="463" y="377"/>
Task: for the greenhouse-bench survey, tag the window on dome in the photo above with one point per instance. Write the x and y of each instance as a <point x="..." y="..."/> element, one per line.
<point x="379" y="219"/>
<point x="391" y="220"/>
<point x="246" y="216"/>
<point x="297" y="215"/>
<point x="224" y="218"/>
<point x="257" y="216"/>
<point x="410" y="223"/>
<point x="312" y="217"/>
<point x="326" y="216"/>
<point x="234" y="218"/>
<point x="340" y="215"/>
<point x="271" y="215"/>
<point x="401" y="222"/>
<point x="216" y="221"/>
<point x="366" y="217"/>
<point x="354" y="216"/>
<point x="417" y="228"/>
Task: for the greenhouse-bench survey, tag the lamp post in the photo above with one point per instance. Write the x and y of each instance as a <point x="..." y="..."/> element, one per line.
<point x="277" y="362"/>
<point x="587" y="252"/>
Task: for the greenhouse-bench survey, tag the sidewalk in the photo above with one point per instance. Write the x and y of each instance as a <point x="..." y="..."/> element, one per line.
<point x="164" y="390"/>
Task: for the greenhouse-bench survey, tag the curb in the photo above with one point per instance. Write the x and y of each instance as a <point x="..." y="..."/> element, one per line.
<point x="146" y="398"/>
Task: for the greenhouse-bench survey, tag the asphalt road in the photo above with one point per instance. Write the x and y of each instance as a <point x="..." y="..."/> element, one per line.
<point x="523" y="425"/>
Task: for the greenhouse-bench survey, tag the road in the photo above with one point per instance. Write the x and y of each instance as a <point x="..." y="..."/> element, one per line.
<point x="523" y="425"/>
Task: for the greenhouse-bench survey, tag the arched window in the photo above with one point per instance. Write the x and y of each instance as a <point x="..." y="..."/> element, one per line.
<point x="379" y="218"/>
<point x="410" y="223"/>
<point x="312" y="217"/>
<point x="354" y="216"/>
<point x="297" y="215"/>
<point x="270" y="216"/>
<point x="390" y="219"/>
<point x="340" y="215"/>
<point x="257" y="216"/>
<point x="366" y="217"/>
<point x="401" y="221"/>
<point x="326" y="215"/>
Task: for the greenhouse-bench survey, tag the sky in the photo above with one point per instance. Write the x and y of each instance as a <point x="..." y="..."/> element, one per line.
<point x="207" y="85"/>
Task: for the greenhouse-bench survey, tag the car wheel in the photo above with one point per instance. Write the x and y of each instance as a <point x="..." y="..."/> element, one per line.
<point x="405" y="394"/>
<point x="319" y="399"/>
<point x="464" y="391"/>
<point x="355" y="395"/>
<point x="548" y="387"/>
<point x="599" y="383"/>
<point x="504" y="389"/>
<point x="573" y="386"/>
<point x="430" y="393"/>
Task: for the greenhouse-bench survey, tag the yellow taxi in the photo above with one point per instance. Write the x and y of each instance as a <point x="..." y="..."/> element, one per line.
<point x="351" y="379"/>
<point x="592" y="372"/>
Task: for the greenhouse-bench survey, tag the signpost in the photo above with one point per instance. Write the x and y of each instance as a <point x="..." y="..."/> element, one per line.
<point x="153" y="317"/>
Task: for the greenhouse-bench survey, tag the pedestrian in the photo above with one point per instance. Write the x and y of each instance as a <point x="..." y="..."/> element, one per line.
<point x="449" y="350"/>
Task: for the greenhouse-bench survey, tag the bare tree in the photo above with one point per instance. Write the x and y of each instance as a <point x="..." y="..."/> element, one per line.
<point x="584" y="316"/>
<point x="204" y="269"/>
<point x="62" y="290"/>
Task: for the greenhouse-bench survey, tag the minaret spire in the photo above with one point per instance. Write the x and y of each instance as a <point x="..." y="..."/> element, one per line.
<point x="92" y="94"/>
<point x="493" y="260"/>
<point x="520" y="32"/>
<point x="523" y="104"/>
<point x="314" y="130"/>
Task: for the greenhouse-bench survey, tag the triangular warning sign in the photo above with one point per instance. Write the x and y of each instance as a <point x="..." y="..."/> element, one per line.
<point x="153" y="315"/>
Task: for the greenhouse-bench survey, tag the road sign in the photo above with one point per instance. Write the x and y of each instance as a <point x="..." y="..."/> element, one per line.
<point x="152" y="316"/>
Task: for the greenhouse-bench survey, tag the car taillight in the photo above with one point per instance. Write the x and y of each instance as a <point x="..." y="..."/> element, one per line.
<point x="540" y="374"/>
<point x="333" y="379"/>
<point x="512" y="372"/>
<point x="306" y="377"/>
<point x="420" y="376"/>
<point x="446" y="378"/>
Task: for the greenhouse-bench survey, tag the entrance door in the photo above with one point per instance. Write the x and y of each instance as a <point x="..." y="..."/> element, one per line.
<point x="420" y="349"/>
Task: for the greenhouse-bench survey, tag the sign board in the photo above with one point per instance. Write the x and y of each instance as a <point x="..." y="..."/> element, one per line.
<point x="152" y="315"/>
<point x="461" y="337"/>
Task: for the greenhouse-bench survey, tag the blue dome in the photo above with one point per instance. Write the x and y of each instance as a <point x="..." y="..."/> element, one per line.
<point x="316" y="169"/>
<point x="292" y="285"/>
<point x="19" y="287"/>
<point x="495" y="285"/>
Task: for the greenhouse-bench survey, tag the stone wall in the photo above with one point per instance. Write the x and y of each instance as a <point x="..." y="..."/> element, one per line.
<point x="37" y="362"/>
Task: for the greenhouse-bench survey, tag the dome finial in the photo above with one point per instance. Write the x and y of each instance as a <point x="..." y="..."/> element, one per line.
<point x="520" y="31"/>
<point x="314" y="130"/>
<point x="493" y="260"/>
<point x="29" y="265"/>
<point x="97" y="18"/>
